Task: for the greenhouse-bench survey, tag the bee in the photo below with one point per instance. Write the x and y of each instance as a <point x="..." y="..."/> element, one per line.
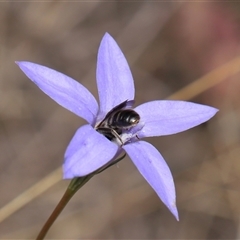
<point x="120" y="118"/>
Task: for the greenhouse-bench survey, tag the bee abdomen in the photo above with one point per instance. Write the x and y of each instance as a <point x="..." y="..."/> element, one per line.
<point x="124" y="119"/>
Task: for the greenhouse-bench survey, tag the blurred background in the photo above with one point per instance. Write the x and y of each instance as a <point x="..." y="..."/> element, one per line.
<point x="168" y="46"/>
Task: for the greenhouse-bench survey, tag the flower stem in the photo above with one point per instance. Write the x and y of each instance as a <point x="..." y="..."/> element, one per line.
<point x="73" y="187"/>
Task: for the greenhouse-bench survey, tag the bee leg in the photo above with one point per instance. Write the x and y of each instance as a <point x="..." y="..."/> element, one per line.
<point x="111" y="135"/>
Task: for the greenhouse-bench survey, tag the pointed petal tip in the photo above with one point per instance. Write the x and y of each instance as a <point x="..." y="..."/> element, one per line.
<point x="25" y="65"/>
<point x="211" y="112"/>
<point x="215" y="110"/>
<point x="107" y="38"/>
<point x="21" y="63"/>
<point x="174" y="211"/>
<point x="106" y="34"/>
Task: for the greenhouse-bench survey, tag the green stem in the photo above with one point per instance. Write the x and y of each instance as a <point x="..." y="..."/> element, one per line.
<point x="74" y="185"/>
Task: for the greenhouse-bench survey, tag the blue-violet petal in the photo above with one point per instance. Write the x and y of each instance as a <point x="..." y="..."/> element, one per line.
<point x="114" y="78"/>
<point x="87" y="152"/>
<point x="168" y="117"/>
<point x="64" y="90"/>
<point x="155" y="170"/>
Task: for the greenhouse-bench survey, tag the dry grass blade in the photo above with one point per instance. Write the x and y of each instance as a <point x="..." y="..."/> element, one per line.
<point x="30" y="194"/>
<point x="207" y="81"/>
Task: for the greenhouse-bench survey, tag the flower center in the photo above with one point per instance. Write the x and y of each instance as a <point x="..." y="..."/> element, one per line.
<point x="117" y="122"/>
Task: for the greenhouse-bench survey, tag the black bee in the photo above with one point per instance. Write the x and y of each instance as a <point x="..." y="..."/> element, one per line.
<point x="120" y="118"/>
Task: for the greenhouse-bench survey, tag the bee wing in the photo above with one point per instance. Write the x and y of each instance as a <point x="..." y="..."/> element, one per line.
<point x="125" y="104"/>
<point x="129" y="103"/>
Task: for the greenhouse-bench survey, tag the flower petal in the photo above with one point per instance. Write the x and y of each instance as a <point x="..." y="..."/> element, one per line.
<point x="87" y="152"/>
<point x="169" y="117"/>
<point x="114" y="78"/>
<point x="64" y="90"/>
<point x="154" y="169"/>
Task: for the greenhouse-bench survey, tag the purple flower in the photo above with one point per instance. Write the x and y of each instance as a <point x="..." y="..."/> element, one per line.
<point x="89" y="149"/>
